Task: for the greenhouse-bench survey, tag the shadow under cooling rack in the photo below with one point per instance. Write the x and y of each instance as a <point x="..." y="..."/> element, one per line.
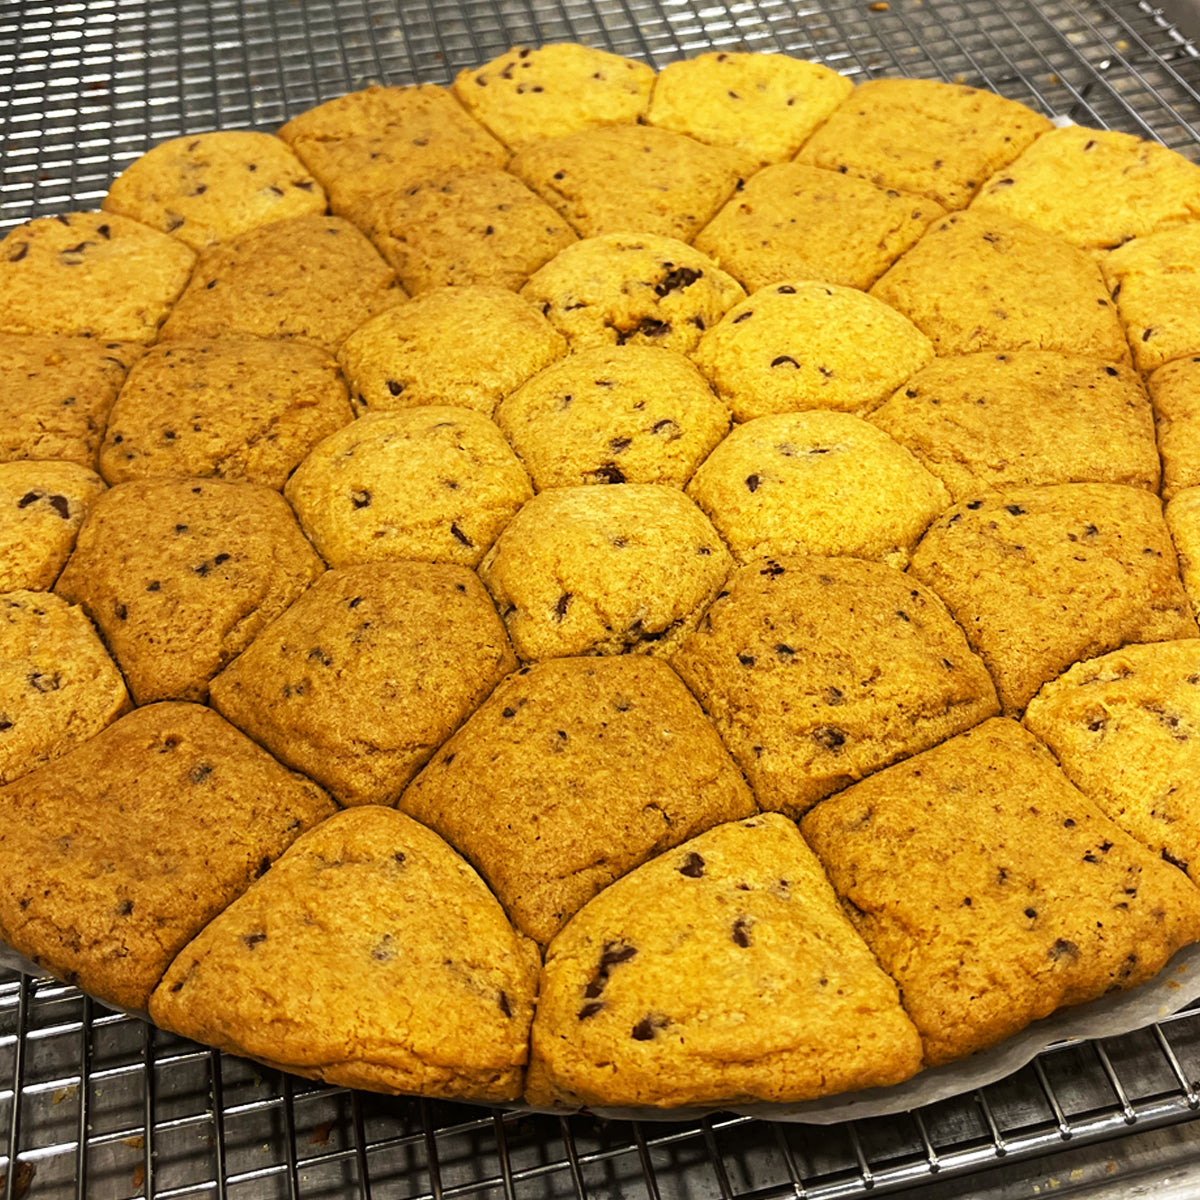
<point x="97" y="1104"/>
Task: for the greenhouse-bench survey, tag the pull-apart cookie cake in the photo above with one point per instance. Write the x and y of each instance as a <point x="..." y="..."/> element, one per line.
<point x="607" y="588"/>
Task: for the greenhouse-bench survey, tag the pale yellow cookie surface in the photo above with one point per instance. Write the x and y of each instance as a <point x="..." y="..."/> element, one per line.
<point x="1175" y="392"/>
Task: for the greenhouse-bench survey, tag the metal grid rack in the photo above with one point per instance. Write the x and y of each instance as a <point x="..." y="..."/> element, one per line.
<point x="97" y="1104"/>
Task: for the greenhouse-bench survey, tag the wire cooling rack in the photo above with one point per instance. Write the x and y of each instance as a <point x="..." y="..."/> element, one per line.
<point x="95" y="1104"/>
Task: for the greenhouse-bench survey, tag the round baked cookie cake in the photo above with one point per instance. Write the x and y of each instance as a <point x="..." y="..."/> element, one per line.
<point x="623" y="581"/>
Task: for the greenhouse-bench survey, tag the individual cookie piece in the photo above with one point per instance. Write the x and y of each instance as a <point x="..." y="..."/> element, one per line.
<point x="209" y="187"/>
<point x="766" y="105"/>
<point x="367" y="674"/>
<point x="986" y="281"/>
<point x="1095" y="187"/>
<point x="90" y="274"/>
<point x="181" y="574"/>
<point x="988" y="421"/>
<point x="465" y="227"/>
<point x="1175" y="392"/>
<point x="604" y="570"/>
<point x="381" y="140"/>
<point x="614" y="414"/>
<point x="42" y="506"/>
<point x="818" y="671"/>
<point x="796" y="222"/>
<point x="939" y="140"/>
<point x="1124" y="727"/>
<point x="414" y="981"/>
<point x="309" y="279"/>
<point x="236" y="407"/>
<point x="1183" y="520"/>
<point x="805" y="345"/>
<point x="435" y="484"/>
<point x="993" y="892"/>
<point x="1042" y="577"/>
<point x="55" y="394"/>
<point x="58" y="687"/>
<point x="680" y="985"/>
<point x="116" y="855"/>
<point x="530" y="94"/>
<point x="572" y="773"/>
<point x="626" y="288"/>
<point x="620" y="177"/>
<point x="1155" y="281"/>
<point x="467" y="347"/>
<point x="817" y="483"/>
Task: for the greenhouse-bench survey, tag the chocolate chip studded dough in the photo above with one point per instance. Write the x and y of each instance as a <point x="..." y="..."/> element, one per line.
<point x="414" y="979"/>
<point x="628" y="1015"/>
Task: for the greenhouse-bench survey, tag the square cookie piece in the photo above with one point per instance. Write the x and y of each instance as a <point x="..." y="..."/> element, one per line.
<point x="1183" y="520"/>
<point x="818" y="671"/>
<point x="368" y="673"/>
<point x="993" y="892"/>
<point x="1097" y="188"/>
<point x="573" y="773"/>
<point x="982" y="422"/>
<point x="181" y="574"/>
<point x="528" y="94"/>
<point x="1124" y="727"/>
<point x="58" y="687"/>
<point x="1042" y="577"/>
<point x="55" y="394"/>
<point x="1175" y="393"/>
<point x="414" y="979"/>
<point x="309" y="279"/>
<point x="1155" y="282"/>
<point x="620" y="177"/>
<point x="464" y="227"/>
<point x="236" y="407"/>
<point x="366" y="145"/>
<point x="938" y="140"/>
<point x="114" y="857"/>
<point x="680" y="984"/>
<point x="985" y="281"/>
<point x="88" y="274"/>
<point x="466" y="347"/>
<point x="209" y="187"/>
<point x="796" y="222"/>
<point x="42" y="507"/>
<point x="766" y="105"/>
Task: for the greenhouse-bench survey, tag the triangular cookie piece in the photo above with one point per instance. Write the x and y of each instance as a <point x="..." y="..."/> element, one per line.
<point x="720" y="973"/>
<point x="372" y="956"/>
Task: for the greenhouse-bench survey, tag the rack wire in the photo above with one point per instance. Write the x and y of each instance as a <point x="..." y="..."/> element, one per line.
<point x="97" y="1104"/>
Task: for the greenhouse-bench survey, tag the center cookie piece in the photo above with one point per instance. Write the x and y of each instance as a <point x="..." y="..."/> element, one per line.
<point x="605" y="570"/>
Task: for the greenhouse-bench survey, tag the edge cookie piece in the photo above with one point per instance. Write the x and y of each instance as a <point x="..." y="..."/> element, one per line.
<point x="1175" y="393"/>
<point x="113" y="857"/>
<point x="681" y="983"/>
<point x="415" y="981"/>
<point x="993" y="892"/>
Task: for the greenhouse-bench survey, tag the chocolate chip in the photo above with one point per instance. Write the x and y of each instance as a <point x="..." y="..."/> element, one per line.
<point x="773" y="569"/>
<point x="383" y="950"/>
<point x="400" y="857"/>
<point x="693" y="866"/>
<point x="903" y="616"/>
<point x="741" y="932"/>
<point x="742" y="317"/>
<point x="834" y="696"/>
<point x="1031" y="913"/>
<point x="974" y="504"/>
<point x="124" y="908"/>
<point x="326" y="660"/>
<point x="181" y="529"/>
<point x="360" y="499"/>
<point x="19" y="252"/>
<point x="785" y="359"/>
<point x="394" y="387"/>
<point x="590" y="1010"/>
<point x="28" y="499"/>
<point x="667" y="426"/>
<point x="502" y="1001"/>
<point x="679" y="278"/>
<point x="620" y="445"/>
<point x="608" y="473"/>
<point x="1015" y="509"/>
<point x="829" y="737"/>
<point x="1062" y="948"/>
<point x="560" y="606"/>
<point x="43" y="683"/>
<point x="200" y="772"/>
<point x="5" y="723"/>
<point x="747" y="660"/>
<point x="752" y="482"/>
<point x="250" y="940"/>
<point x="460" y="536"/>
<point x="120" y="612"/>
<point x="644" y="1030"/>
<point x="355" y="602"/>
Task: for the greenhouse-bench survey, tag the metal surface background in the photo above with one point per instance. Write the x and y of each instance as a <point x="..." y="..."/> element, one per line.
<point x="96" y="1104"/>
